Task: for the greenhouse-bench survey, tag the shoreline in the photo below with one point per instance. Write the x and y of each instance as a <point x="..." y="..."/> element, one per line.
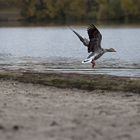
<point x="72" y="80"/>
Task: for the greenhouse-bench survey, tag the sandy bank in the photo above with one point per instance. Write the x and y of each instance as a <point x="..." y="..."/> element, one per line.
<point x="37" y="112"/>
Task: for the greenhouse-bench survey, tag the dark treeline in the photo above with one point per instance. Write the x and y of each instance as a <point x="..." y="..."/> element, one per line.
<point x="40" y="10"/>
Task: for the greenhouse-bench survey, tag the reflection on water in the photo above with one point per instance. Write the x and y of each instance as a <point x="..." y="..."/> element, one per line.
<point x="57" y="49"/>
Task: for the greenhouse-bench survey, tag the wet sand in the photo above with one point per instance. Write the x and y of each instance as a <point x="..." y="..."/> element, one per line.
<point x="37" y="112"/>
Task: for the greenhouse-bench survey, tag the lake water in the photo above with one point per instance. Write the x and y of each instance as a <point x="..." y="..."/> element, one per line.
<point x="57" y="49"/>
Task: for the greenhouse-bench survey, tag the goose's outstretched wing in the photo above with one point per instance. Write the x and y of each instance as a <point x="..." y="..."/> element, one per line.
<point x="95" y="39"/>
<point x="83" y="40"/>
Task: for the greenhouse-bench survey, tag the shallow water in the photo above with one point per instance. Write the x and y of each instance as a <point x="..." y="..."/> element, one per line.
<point x="57" y="49"/>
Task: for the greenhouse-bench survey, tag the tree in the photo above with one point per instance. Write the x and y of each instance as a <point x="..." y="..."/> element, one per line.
<point x="74" y="9"/>
<point x="77" y="9"/>
<point x="129" y="7"/>
<point x="103" y="11"/>
<point x="115" y="10"/>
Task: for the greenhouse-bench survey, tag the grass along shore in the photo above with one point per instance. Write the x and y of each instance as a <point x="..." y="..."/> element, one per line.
<point x="79" y="81"/>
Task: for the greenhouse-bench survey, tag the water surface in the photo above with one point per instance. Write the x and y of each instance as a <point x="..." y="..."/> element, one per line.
<point x="57" y="49"/>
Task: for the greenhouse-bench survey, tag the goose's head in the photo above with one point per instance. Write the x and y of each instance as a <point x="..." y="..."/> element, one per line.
<point x="111" y="50"/>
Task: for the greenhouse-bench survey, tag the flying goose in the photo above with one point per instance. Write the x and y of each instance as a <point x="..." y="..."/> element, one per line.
<point x="93" y="45"/>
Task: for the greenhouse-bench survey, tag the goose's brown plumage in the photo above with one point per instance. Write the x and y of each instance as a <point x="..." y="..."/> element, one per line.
<point x="95" y="39"/>
<point x="93" y="44"/>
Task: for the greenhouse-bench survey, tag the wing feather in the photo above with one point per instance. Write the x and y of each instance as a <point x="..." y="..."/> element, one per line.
<point x="95" y="39"/>
<point x="83" y="40"/>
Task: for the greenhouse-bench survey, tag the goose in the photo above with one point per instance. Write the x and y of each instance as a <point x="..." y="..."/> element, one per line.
<point x="93" y="45"/>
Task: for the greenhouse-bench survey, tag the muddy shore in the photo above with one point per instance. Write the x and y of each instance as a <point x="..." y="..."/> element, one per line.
<point x="32" y="109"/>
<point x="88" y="82"/>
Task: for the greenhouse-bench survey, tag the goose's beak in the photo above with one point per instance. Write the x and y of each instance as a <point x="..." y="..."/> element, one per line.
<point x="114" y="50"/>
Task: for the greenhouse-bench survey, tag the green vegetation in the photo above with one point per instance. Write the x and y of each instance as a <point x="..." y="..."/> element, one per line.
<point x="66" y="10"/>
<point x="79" y="81"/>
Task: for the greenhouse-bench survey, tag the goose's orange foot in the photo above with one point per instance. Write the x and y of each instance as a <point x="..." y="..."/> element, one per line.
<point x="93" y="63"/>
